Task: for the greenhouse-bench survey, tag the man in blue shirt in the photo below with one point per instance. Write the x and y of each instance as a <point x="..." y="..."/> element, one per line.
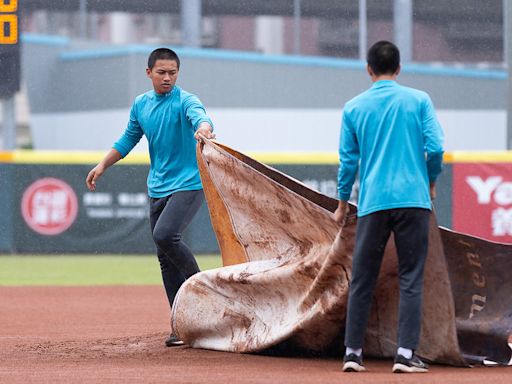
<point x="391" y="135"/>
<point x="171" y="119"/>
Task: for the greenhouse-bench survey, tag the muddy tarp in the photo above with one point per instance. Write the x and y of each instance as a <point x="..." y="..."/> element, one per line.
<point x="288" y="266"/>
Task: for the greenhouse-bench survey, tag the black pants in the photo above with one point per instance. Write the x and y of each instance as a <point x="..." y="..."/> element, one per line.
<point x="169" y="216"/>
<point x="410" y="227"/>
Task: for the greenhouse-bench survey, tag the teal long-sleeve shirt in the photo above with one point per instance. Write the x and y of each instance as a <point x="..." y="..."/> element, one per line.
<point x="390" y="133"/>
<point x="169" y="122"/>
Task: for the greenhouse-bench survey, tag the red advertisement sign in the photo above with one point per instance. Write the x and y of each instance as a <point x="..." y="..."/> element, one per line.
<point x="49" y="206"/>
<point x="482" y="200"/>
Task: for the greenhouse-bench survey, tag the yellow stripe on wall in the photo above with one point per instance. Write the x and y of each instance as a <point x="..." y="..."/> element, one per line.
<point x="6" y="157"/>
<point x="326" y="158"/>
<point x="66" y="157"/>
<point x="479" y="157"/>
<point x="93" y="157"/>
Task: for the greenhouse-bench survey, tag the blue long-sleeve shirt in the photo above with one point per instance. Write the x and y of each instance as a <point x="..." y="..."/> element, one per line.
<point x="169" y="122"/>
<point x="391" y="134"/>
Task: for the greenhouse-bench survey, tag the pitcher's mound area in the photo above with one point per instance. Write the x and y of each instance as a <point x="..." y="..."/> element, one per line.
<point x="116" y="335"/>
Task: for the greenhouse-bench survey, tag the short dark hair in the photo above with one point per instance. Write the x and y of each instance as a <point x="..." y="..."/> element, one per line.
<point x="383" y="58"/>
<point x="162" y="54"/>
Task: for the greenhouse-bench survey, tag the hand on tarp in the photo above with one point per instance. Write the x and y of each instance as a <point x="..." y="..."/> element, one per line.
<point x="340" y="215"/>
<point x="204" y="131"/>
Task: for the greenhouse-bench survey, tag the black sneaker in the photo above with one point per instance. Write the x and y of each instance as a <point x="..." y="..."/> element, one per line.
<point x="353" y="363"/>
<point x="173" y="341"/>
<point x="414" y="364"/>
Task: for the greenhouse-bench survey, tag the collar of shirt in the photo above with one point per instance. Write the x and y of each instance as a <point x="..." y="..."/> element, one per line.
<point x="384" y="83"/>
<point x="168" y="94"/>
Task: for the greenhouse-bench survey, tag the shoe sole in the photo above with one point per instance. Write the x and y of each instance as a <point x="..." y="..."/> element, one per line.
<point x="402" y="368"/>
<point x="174" y="344"/>
<point x="350" y="366"/>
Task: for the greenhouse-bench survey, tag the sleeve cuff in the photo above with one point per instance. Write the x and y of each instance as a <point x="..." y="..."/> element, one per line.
<point x="203" y="120"/>
<point x="344" y="196"/>
<point x="122" y="150"/>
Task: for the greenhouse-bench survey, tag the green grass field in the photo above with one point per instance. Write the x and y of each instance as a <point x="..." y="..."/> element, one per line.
<point x="17" y="270"/>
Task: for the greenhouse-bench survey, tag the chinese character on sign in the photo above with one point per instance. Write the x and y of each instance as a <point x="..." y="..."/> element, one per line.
<point x="132" y="199"/>
<point x="326" y="187"/>
<point x="49" y="206"/>
<point x="502" y="222"/>
<point x="329" y="188"/>
<point x="97" y="199"/>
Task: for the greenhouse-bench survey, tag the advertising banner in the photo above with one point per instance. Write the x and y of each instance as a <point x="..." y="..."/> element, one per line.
<point x="55" y="212"/>
<point x="482" y="200"/>
<point x="47" y="208"/>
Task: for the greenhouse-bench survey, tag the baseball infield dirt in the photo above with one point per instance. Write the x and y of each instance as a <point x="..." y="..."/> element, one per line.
<point x="116" y="334"/>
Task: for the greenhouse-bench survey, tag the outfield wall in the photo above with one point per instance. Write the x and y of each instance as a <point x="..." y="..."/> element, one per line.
<point x="46" y="207"/>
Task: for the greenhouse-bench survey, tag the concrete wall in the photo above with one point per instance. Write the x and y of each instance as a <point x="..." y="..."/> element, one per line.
<point x="80" y="95"/>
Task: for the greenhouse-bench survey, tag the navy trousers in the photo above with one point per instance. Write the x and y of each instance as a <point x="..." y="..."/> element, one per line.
<point x="410" y="227"/>
<point x="169" y="216"/>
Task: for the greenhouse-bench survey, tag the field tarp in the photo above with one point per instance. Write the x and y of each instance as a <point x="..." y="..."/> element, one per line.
<point x="288" y="266"/>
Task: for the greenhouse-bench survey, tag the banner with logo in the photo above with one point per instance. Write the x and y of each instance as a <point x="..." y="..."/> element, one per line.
<point x="55" y="212"/>
<point x="47" y="208"/>
<point x="482" y="200"/>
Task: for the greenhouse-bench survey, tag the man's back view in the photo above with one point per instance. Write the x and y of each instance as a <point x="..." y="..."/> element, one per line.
<point x="391" y="135"/>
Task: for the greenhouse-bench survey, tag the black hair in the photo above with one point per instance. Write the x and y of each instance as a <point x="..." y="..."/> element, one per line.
<point x="162" y="54"/>
<point x="383" y="58"/>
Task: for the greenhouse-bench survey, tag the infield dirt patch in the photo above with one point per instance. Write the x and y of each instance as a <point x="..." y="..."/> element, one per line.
<point x="116" y="334"/>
